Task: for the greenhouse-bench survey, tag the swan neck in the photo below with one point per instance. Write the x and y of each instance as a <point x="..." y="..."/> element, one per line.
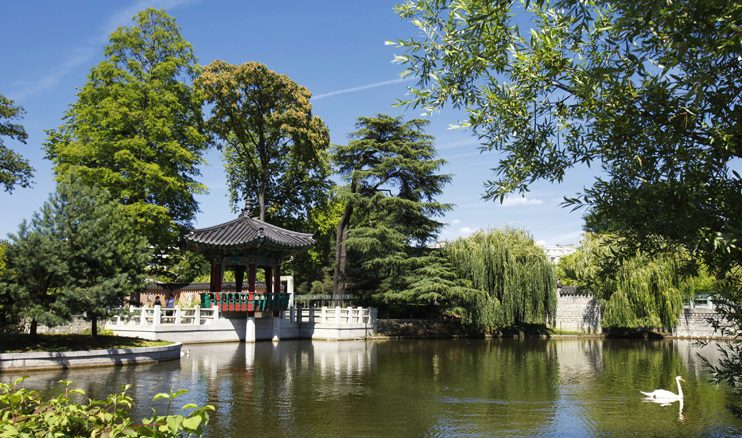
<point x="680" y="389"/>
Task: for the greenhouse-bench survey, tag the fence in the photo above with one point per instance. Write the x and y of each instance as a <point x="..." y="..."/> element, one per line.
<point x="155" y="316"/>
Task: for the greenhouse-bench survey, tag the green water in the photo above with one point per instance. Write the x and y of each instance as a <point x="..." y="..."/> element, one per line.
<point x="570" y="387"/>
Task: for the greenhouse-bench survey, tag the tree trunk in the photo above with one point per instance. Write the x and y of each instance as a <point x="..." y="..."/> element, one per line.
<point x="94" y="326"/>
<point x="32" y="329"/>
<point x="338" y="278"/>
<point x="261" y="203"/>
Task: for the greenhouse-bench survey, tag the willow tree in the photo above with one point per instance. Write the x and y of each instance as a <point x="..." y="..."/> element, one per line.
<point x="274" y="148"/>
<point x="393" y="178"/>
<point x="15" y="171"/>
<point x="136" y="130"/>
<point x="517" y="277"/>
<point x="640" y="291"/>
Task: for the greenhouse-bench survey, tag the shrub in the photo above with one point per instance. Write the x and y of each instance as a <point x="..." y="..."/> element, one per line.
<point x="26" y="412"/>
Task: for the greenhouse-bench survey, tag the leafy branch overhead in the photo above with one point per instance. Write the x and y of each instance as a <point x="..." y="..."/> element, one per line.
<point x="648" y="91"/>
<point x="15" y="171"/>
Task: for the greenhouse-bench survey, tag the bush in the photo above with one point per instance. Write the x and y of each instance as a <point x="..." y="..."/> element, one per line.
<point x="25" y="412"/>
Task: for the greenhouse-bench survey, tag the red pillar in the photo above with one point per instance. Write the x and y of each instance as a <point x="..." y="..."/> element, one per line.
<point x="277" y="288"/>
<point x="251" y="271"/>
<point x="268" y="280"/>
<point x="250" y="288"/>
<point x="239" y="278"/>
<point x="216" y="276"/>
<point x="277" y="279"/>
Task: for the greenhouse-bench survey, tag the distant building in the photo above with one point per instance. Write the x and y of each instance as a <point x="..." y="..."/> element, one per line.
<point x="556" y="252"/>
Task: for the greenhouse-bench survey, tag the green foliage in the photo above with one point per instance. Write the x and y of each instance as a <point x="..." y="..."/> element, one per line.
<point x="26" y="412"/>
<point x="15" y="171"/>
<point x="136" y="129"/>
<point x="273" y="147"/>
<point x="516" y="275"/>
<point x="80" y="253"/>
<point x="614" y="82"/>
<point x="391" y="171"/>
<point x="642" y="290"/>
<point x="105" y="255"/>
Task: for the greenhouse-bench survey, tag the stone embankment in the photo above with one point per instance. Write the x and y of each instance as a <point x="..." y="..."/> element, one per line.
<point x="43" y="360"/>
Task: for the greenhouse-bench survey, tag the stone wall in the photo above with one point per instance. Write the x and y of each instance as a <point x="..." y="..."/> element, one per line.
<point x="577" y="311"/>
<point x="693" y="323"/>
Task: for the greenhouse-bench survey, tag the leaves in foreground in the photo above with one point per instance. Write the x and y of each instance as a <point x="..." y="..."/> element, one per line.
<point x="27" y="413"/>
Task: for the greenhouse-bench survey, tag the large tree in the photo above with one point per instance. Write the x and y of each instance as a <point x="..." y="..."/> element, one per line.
<point x="14" y="169"/>
<point x="35" y="270"/>
<point x="390" y="205"/>
<point x="275" y="150"/>
<point x="79" y="254"/>
<point x="650" y="91"/>
<point x="105" y="254"/>
<point x="136" y="129"/>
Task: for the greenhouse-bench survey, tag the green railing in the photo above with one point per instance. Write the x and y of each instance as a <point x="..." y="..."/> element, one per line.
<point x="245" y="301"/>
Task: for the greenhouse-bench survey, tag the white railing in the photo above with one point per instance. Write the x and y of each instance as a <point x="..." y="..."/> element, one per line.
<point x="157" y="315"/>
<point x="166" y="316"/>
<point x="331" y="315"/>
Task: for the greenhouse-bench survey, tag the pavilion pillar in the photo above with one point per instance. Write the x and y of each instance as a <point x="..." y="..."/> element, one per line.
<point x="239" y="278"/>
<point x="277" y="287"/>
<point x="250" y="323"/>
<point x="268" y="280"/>
<point x="251" y="271"/>
<point x="216" y="276"/>
<point x="277" y="278"/>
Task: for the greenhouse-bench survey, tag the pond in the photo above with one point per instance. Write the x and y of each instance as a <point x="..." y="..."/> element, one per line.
<point x="566" y="387"/>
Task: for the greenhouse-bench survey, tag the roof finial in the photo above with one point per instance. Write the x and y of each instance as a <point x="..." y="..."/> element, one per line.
<point x="247" y="211"/>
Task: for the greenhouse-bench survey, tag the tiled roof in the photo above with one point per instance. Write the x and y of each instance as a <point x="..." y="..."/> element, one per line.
<point x="246" y="231"/>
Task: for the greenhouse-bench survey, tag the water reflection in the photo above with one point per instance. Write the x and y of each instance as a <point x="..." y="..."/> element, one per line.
<point x="477" y="387"/>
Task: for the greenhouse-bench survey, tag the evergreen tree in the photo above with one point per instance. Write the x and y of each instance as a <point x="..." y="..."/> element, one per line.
<point x="389" y="201"/>
<point x="80" y="254"/>
<point x="274" y="148"/>
<point x="136" y="130"/>
<point x="14" y="169"/>
<point x="105" y="254"/>
<point x="35" y="272"/>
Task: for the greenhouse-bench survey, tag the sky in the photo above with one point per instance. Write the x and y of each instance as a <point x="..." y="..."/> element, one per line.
<point x="334" y="48"/>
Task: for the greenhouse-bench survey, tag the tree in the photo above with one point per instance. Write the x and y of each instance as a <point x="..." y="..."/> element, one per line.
<point x="136" y="130"/>
<point x="517" y="276"/>
<point x="15" y="171"/>
<point x="273" y="147"/>
<point x="106" y="256"/>
<point x="80" y="253"/>
<point x="639" y="291"/>
<point x="35" y="272"/>
<point x="389" y="201"/>
<point x="649" y="91"/>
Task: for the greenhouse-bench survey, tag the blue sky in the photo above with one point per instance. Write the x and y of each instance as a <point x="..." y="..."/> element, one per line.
<point x="334" y="48"/>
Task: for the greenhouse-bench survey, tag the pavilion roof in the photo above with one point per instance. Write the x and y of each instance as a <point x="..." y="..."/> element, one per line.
<point x="247" y="232"/>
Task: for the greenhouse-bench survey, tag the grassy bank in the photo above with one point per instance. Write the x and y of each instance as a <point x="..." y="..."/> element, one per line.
<point x="25" y="343"/>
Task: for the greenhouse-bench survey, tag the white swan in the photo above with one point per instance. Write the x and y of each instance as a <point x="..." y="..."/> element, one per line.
<point x="664" y="395"/>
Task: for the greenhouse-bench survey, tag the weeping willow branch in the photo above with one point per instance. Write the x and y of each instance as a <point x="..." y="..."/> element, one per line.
<point x="516" y="276"/>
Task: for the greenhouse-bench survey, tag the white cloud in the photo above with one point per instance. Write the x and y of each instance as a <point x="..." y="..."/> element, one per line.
<point x="512" y="201"/>
<point x="465" y="231"/>
<point x="542" y="243"/>
<point x="455" y="221"/>
<point x="360" y="88"/>
<point x="85" y="52"/>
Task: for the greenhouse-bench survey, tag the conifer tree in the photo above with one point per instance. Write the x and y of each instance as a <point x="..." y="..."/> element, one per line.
<point x="136" y="130"/>
<point x="391" y="171"/>
<point x="79" y="254"/>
